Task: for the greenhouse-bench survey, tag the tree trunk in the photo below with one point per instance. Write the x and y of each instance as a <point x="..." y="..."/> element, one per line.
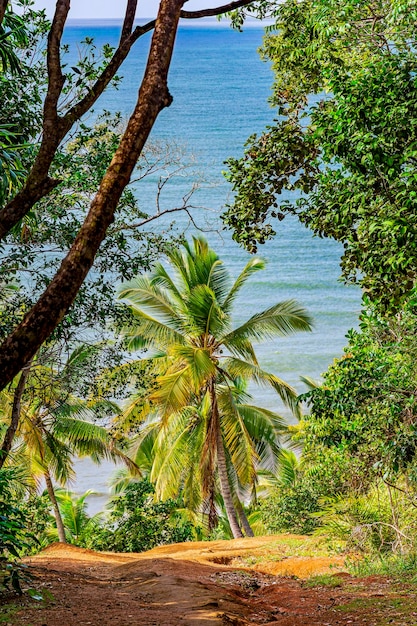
<point x="38" y="183"/>
<point x="244" y="520"/>
<point x="15" y="419"/>
<point x="57" y="512"/>
<point x="222" y="467"/>
<point x="225" y="488"/>
<point x="3" y="7"/>
<point x="53" y="304"/>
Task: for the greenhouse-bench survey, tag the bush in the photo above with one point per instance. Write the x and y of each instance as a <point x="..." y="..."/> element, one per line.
<point x="290" y="510"/>
<point x="13" y="534"/>
<point x="137" y="523"/>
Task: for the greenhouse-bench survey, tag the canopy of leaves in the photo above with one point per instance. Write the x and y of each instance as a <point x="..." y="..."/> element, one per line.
<point x="366" y="409"/>
<point x="342" y="154"/>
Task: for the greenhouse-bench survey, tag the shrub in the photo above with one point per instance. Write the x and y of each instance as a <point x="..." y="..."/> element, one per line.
<point x="137" y="523"/>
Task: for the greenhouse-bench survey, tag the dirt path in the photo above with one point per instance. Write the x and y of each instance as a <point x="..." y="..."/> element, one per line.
<point x="202" y="584"/>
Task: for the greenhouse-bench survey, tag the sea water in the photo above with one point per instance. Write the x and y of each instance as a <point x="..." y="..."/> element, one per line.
<point x="220" y="88"/>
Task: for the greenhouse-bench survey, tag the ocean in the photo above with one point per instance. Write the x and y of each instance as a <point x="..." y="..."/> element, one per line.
<point x="220" y="88"/>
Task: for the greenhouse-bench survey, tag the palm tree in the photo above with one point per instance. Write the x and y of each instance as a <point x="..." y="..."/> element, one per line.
<point x="54" y="426"/>
<point x="179" y="447"/>
<point x="76" y="521"/>
<point x="186" y="321"/>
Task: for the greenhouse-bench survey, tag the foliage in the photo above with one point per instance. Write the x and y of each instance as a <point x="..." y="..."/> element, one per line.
<point x="397" y="566"/>
<point x="67" y="93"/>
<point x="77" y="523"/>
<point x="137" y="523"/>
<point x="356" y="479"/>
<point x="56" y="422"/>
<point x="341" y="156"/>
<point x="290" y="510"/>
<point x="33" y="251"/>
<point x="365" y="521"/>
<point x="365" y="409"/>
<point x="13" y="534"/>
<point x="38" y="522"/>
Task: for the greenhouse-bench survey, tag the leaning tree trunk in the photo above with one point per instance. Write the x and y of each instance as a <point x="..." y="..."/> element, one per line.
<point x="57" y="512"/>
<point x="222" y="468"/>
<point x="225" y="488"/>
<point x="15" y="419"/>
<point x="244" y="520"/>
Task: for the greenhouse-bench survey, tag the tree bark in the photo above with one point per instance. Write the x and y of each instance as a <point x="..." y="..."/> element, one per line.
<point x="58" y="518"/>
<point x="222" y="468"/>
<point x="225" y="489"/>
<point x="244" y="520"/>
<point x="15" y="419"/>
<point x="3" y="7"/>
<point x="51" y="307"/>
<point x="224" y="8"/>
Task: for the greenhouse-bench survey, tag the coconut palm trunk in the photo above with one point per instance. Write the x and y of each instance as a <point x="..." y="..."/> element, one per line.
<point x="244" y="520"/>
<point x="222" y="469"/>
<point x="57" y="512"/>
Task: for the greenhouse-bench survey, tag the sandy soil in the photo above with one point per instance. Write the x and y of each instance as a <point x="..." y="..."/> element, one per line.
<point x="196" y="584"/>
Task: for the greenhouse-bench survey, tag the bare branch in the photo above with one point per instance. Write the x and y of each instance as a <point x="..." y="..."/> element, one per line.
<point x="225" y="8"/>
<point x="107" y="75"/>
<point x="129" y="19"/>
<point x="55" y="77"/>
<point x="38" y="184"/>
<point x="3" y="7"/>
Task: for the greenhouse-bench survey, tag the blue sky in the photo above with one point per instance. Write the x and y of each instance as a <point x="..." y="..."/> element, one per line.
<point x="115" y="8"/>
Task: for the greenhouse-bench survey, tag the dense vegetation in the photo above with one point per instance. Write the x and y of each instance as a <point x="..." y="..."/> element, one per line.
<point x="161" y="382"/>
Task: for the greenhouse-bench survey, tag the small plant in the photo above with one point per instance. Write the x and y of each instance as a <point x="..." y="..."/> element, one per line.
<point x="323" y="580"/>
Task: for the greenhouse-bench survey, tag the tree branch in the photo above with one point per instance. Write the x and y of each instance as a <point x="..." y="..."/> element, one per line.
<point x="55" y="77"/>
<point x="129" y="19"/>
<point x="3" y="7"/>
<point x="38" y="184"/>
<point x="53" y="304"/>
<point x="225" y="8"/>
<point x="107" y="75"/>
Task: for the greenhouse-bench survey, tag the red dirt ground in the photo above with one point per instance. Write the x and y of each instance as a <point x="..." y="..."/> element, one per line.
<point x="200" y="584"/>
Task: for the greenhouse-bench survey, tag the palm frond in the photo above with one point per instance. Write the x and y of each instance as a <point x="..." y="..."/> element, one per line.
<point x="264" y="428"/>
<point x="161" y="278"/>
<point x="149" y="332"/>
<point x="252" y="266"/>
<point x="173" y="392"/>
<point x="201" y="365"/>
<point x="142" y="294"/>
<point x="310" y="382"/>
<point x="205" y="316"/>
<point x="281" y="319"/>
<point x="238" y="368"/>
<point x="237" y="440"/>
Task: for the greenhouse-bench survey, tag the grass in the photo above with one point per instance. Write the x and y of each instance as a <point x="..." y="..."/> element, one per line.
<point x="395" y="566"/>
<point x="7" y="611"/>
<point x="385" y="611"/>
<point x="323" y="580"/>
<point x="293" y="546"/>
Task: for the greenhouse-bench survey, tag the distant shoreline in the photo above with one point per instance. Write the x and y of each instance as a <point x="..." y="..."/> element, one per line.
<point x="205" y="21"/>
